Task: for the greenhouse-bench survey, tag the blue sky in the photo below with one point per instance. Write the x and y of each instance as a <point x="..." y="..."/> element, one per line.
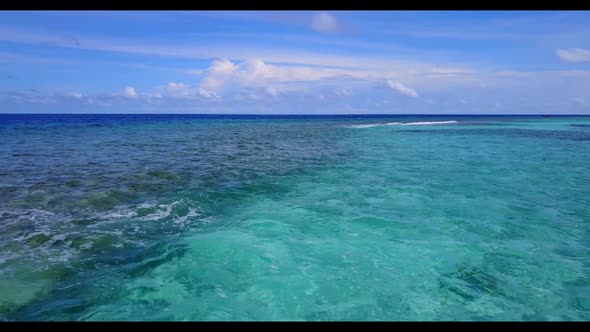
<point x="295" y="62"/>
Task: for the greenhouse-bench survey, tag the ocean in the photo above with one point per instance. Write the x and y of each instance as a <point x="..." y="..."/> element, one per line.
<point x="229" y="217"/>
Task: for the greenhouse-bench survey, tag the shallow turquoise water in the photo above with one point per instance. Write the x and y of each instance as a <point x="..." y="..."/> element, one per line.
<point x="197" y="218"/>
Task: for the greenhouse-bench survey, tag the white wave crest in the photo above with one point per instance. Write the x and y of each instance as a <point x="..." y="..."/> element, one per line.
<point x="425" y="123"/>
<point x="367" y="125"/>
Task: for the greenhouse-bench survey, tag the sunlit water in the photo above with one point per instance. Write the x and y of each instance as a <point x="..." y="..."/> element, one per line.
<point x="301" y="218"/>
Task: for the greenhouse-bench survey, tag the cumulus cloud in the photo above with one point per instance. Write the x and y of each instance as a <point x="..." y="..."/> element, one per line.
<point x="255" y="70"/>
<point x="256" y="73"/>
<point x="129" y="92"/>
<point x="225" y="77"/>
<point x="325" y="23"/>
<point x="178" y="89"/>
<point x="574" y="55"/>
<point x="223" y="72"/>
<point x="218" y="73"/>
<point x="533" y="92"/>
<point x="404" y="90"/>
<point x="207" y="94"/>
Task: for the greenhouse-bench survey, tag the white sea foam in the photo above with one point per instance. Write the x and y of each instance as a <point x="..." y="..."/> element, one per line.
<point x="56" y="232"/>
<point x="159" y="212"/>
<point x="426" y="123"/>
<point x="165" y="210"/>
<point x="367" y="125"/>
<point x="86" y="245"/>
<point x="123" y="213"/>
<point x="191" y="213"/>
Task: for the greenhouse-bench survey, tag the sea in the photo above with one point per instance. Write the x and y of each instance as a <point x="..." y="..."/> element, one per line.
<point x="294" y="218"/>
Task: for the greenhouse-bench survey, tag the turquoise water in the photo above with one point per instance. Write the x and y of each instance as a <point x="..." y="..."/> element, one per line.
<point x="300" y="218"/>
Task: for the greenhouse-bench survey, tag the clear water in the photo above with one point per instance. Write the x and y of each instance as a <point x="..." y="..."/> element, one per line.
<point x="299" y="218"/>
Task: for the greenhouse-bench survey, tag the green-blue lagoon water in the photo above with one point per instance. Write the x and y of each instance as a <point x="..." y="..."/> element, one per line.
<point x="170" y="217"/>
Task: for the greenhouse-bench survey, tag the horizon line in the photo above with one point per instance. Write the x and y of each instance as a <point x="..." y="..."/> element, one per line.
<point x="315" y="114"/>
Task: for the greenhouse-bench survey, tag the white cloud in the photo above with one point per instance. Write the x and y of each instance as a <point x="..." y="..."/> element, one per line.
<point x="178" y="89"/>
<point x="574" y="55"/>
<point x="257" y="73"/>
<point x="343" y="92"/>
<point x="207" y="94"/>
<point x="129" y="92"/>
<point x="271" y="91"/>
<point x="222" y="66"/>
<point x="397" y="86"/>
<point x="255" y="70"/>
<point x="325" y="23"/>
<point x="227" y="77"/>
<point x="76" y="95"/>
<point x="218" y="73"/>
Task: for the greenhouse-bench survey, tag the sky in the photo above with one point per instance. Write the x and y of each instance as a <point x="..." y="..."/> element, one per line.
<point x="295" y="62"/>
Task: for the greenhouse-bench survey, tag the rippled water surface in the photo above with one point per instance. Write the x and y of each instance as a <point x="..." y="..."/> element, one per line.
<point x="170" y="217"/>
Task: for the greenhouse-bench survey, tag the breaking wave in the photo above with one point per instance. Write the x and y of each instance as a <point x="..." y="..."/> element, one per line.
<point x="425" y="123"/>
